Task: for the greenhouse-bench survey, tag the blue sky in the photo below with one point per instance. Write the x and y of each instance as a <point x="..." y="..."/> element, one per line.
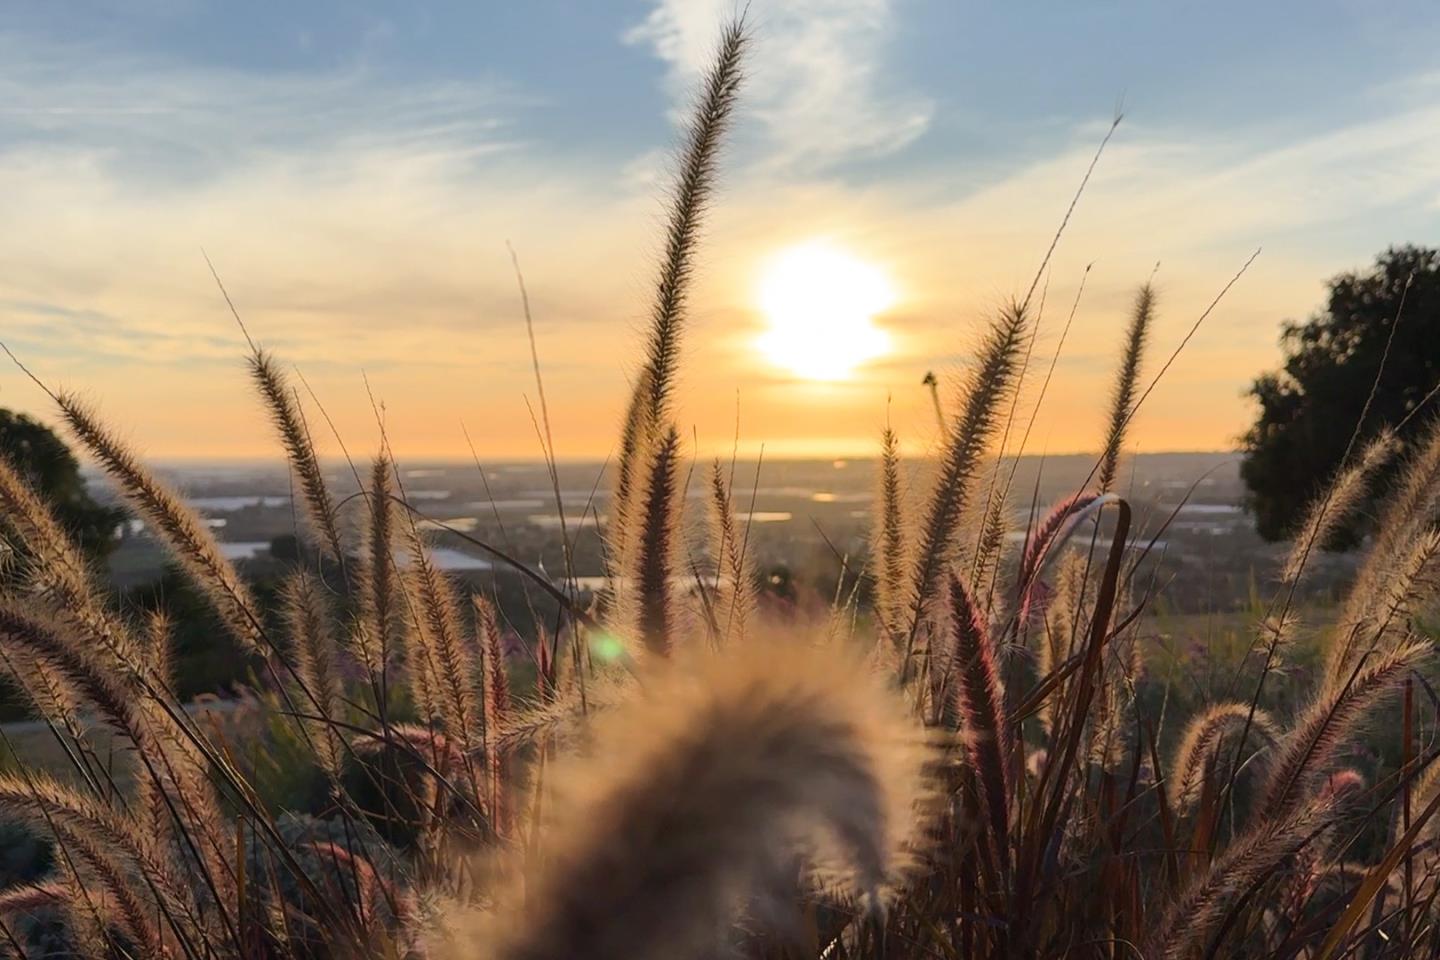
<point x="355" y="170"/>
<point x="993" y="77"/>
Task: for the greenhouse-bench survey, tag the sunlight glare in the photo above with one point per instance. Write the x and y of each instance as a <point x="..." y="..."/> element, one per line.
<point x="821" y="302"/>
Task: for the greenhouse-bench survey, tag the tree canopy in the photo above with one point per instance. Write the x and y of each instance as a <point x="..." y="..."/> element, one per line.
<point x="1310" y="407"/>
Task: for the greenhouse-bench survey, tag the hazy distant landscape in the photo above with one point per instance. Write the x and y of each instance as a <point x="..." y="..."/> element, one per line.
<point x="799" y="514"/>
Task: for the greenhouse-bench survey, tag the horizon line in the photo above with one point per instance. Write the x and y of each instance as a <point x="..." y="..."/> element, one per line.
<point x="279" y="458"/>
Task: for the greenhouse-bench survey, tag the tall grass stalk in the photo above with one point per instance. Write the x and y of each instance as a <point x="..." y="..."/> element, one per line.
<point x="694" y="184"/>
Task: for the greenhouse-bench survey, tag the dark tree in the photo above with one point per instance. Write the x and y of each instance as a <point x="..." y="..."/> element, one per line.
<point x="43" y="459"/>
<point x="1310" y="407"/>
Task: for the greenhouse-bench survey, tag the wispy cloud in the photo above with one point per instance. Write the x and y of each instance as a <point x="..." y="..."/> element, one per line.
<point x="815" y="77"/>
<point x="359" y="222"/>
<point x="150" y="118"/>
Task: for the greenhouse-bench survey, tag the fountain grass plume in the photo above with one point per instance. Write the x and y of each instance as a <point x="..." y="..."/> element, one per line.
<point x="1110" y="720"/>
<point x="735" y="574"/>
<point x="54" y="567"/>
<point x="693" y="187"/>
<point x="1127" y="379"/>
<point x="443" y="667"/>
<point x="316" y="659"/>
<point x="439" y="636"/>
<point x="156" y="647"/>
<point x="971" y="434"/>
<point x="101" y="687"/>
<point x="374" y="635"/>
<point x="1409" y="584"/>
<point x="1045" y="540"/>
<point x="655" y="543"/>
<point x="1304" y="756"/>
<point x="561" y="720"/>
<point x="632" y="437"/>
<point x="1064" y="618"/>
<point x="421" y="663"/>
<point x="27" y="898"/>
<point x="495" y="678"/>
<point x="1337" y="503"/>
<point x="980" y="704"/>
<point x="990" y="545"/>
<point x="103" y="874"/>
<point x="496" y="710"/>
<point x="1200" y="908"/>
<point x="67" y="671"/>
<point x="891" y="602"/>
<point x="1203" y="743"/>
<point x="172" y="522"/>
<point x="1410" y="507"/>
<point x="701" y="793"/>
<point x="44" y="688"/>
<point x="53" y="808"/>
<point x="289" y="422"/>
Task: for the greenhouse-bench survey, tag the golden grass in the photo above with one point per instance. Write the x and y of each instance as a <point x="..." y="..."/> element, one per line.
<point x="977" y="774"/>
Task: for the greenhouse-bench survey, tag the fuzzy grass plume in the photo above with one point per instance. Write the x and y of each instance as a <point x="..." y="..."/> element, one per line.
<point x="1408" y="587"/>
<point x="1303" y="758"/>
<point x="694" y="184"/>
<point x="702" y="793"/>
<point x="294" y="434"/>
<point x="656" y="543"/>
<point x="1200" y="908"/>
<point x="1339" y="501"/>
<point x="1203" y="748"/>
<point x="1127" y="379"/>
<point x="172" y="522"/>
<point x="375" y="630"/>
<point x="735" y="572"/>
<point x="53" y="567"/>
<point x="981" y="705"/>
<point x="1044" y="542"/>
<point x="314" y="653"/>
<point x="1407" y="511"/>
<point x="891" y="603"/>
<point x="971" y="433"/>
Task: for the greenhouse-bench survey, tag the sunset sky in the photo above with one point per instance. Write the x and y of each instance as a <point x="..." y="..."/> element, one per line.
<point x="356" y="169"/>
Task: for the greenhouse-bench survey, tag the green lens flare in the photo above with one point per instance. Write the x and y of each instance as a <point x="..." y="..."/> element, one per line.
<point x="606" y="647"/>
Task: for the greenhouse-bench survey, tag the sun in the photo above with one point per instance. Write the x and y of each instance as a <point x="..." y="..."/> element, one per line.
<point x="820" y="303"/>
